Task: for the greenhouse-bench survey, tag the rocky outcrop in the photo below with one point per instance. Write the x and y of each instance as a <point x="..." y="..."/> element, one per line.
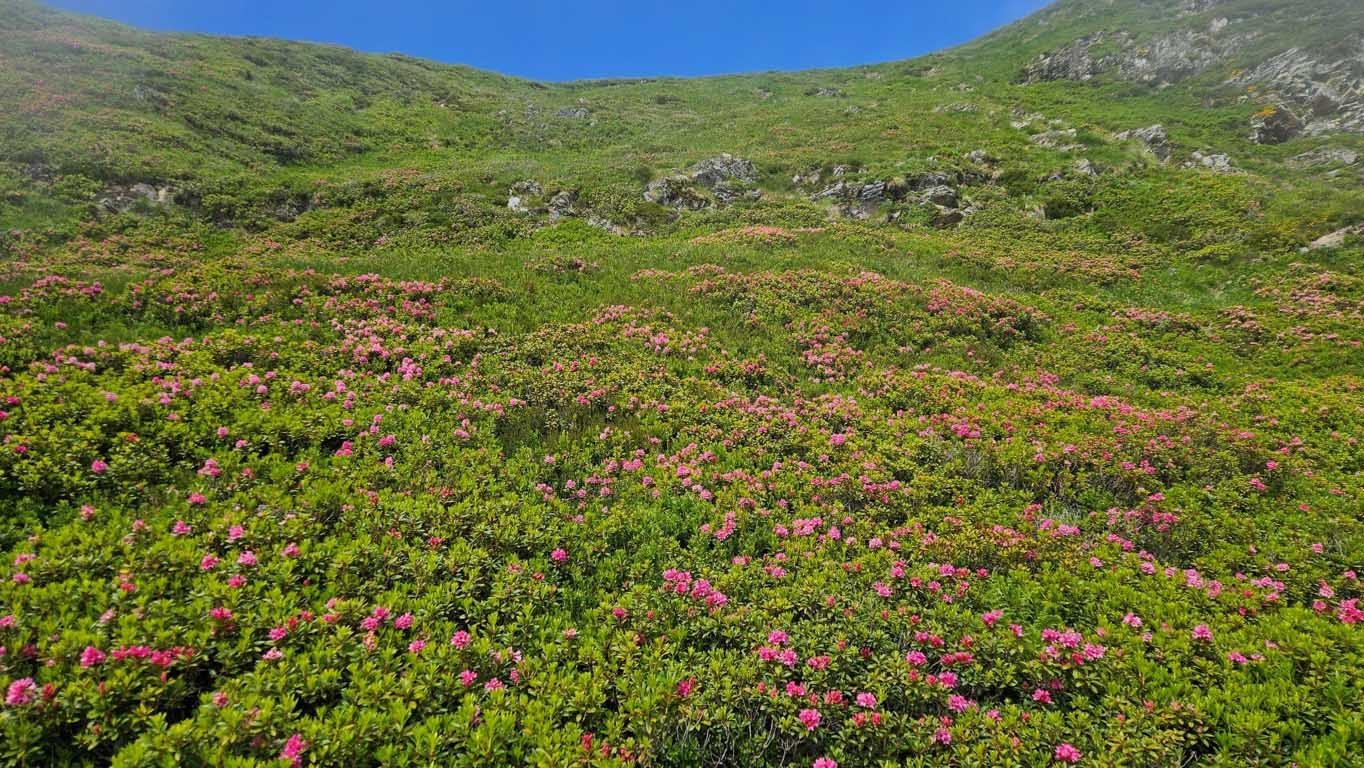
<point x="1274" y="125"/>
<point x="724" y="169"/>
<point x="574" y="113"/>
<point x="1217" y="162"/>
<point x="521" y="193"/>
<point x="1060" y="139"/>
<point x="1325" y="156"/>
<point x="725" y="178"/>
<point x="676" y="191"/>
<point x="1071" y="62"/>
<point x="121" y="198"/>
<point x="1326" y="90"/>
<point x="1153" y="137"/>
<point x="564" y="203"/>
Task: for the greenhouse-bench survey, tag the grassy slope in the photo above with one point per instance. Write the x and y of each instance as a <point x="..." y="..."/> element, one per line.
<point x="405" y="167"/>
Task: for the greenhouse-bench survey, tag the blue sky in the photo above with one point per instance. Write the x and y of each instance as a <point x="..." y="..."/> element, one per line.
<point x="570" y="39"/>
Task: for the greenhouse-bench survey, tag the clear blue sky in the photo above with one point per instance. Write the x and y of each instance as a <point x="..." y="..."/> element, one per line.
<point x="570" y="39"/>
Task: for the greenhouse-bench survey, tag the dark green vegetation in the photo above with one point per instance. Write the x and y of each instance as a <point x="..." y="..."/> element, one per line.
<point x="359" y="410"/>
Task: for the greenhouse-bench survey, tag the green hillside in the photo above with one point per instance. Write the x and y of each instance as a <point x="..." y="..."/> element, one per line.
<point x="999" y="407"/>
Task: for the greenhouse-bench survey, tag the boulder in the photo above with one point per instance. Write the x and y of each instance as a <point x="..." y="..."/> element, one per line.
<point x="675" y="192"/>
<point x="1335" y="239"/>
<point x="941" y="195"/>
<point x="1154" y="137"/>
<point x="562" y="204"/>
<point x="1274" y="125"/>
<point x="712" y="172"/>
<point x="575" y="113"/>
<point x="1218" y="162"/>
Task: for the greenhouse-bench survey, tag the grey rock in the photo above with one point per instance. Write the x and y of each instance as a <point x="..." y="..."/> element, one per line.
<point x="38" y="173"/>
<point x="1085" y="168"/>
<point x="980" y="157"/>
<point x="1218" y="162"/>
<point x="942" y="195"/>
<point x="714" y="171"/>
<point x="574" y="113"/>
<point x="947" y="216"/>
<point x="1324" y="156"/>
<point x="1154" y="137"/>
<point x="874" y="192"/>
<point x="1326" y="90"/>
<point x="675" y="191"/>
<point x="832" y="93"/>
<point x="1055" y="139"/>
<point x="564" y="203"/>
<point x="1335" y="239"/>
<point x="123" y="198"/>
<point x="1072" y="62"/>
<point x="1275" y="125"/>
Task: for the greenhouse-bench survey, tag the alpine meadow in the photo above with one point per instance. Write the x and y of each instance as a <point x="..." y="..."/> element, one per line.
<point x="998" y="407"/>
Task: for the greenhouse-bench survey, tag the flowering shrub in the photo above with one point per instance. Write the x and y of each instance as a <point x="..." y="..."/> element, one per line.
<point x="347" y="520"/>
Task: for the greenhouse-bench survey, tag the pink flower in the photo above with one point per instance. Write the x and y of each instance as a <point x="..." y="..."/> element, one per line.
<point x="809" y="718"/>
<point x="1202" y="632"/>
<point x="493" y="685"/>
<point x="558" y="555"/>
<point x="197" y="499"/>
<point x="99" y="466"/>
<point x="416" y="646"/>
<point x="21" y="692"/>
<point x="220" y="699"/>
<point x="467" y="677"/>
<point x="247" y="558"/>
<point x="992" y="617"/>
<point x="291" y="550"/>
<point x="866" y="700"/>
<point x="824" y="762"/>
<point x="92" y="656"/>
<point x="685" y="687"/>
<point x="181" y="528"/>
<point x="1067" y="753"/>
<point x="460" y="639"/>
<point x="294" y="749"/>
<point x="403" y="622"/>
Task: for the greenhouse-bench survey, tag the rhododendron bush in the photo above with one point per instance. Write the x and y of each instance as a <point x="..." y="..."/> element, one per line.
<point x="713" y="516"/>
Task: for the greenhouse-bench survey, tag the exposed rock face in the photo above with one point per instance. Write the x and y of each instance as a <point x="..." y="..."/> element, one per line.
<point x="712" y="172"/>
<point x="1085" y="168"/>
<point x="1153" y="136"/>
<point x="1163" y="59"/>
<point x="1073" y="62"/>
<point x="1328" y="92"/>
<point x="1325" y="90"/>
<point x="1274" y="125"/>
<point x="725" y="176"/>
<point x="574" y="113"/>
<point x="833" y="93"/>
